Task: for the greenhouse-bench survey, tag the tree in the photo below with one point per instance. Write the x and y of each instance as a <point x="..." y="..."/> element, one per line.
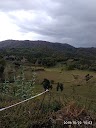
<point x="1" y="73"/>
<point x="46" y="84"/>
<point x="2" y="67"/>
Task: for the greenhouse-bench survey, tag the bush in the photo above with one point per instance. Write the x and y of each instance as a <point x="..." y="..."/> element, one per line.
<point x="70" y="67"/>
<point x="92" y="68"/>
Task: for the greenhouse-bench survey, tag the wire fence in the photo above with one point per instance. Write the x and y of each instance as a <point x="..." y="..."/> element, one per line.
<point x="2" y="109"/>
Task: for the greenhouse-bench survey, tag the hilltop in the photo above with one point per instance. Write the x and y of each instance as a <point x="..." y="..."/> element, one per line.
<point x="34" y="44"/>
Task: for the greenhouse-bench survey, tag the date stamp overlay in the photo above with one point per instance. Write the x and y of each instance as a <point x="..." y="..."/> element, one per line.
<point x="78" y="122"/>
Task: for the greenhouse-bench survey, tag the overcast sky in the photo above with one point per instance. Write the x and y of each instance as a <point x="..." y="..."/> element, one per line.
<point x="64" y="21"/>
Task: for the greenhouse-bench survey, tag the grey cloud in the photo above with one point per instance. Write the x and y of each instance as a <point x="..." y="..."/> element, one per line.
<point x="72" y="21"/>
<point x="10" y="5"/>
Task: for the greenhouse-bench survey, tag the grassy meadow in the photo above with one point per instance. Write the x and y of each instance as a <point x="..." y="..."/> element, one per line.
<point x="26" y="114"/>
<point x="78" y="89"/>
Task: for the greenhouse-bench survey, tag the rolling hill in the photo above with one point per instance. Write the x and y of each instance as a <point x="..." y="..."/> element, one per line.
<point x="48" y="51"/>
<point x="34" y="44"/>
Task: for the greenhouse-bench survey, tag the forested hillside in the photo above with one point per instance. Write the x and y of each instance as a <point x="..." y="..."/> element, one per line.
<point x="49" y="54"/>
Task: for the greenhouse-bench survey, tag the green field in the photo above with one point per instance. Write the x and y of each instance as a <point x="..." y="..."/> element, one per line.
<point x="78" y="90"/>
<point x="85" y="90"/>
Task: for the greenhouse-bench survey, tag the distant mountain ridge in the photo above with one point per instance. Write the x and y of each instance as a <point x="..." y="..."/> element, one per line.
<point x="38" y="46"/>
<point x="29" y="44"/>
<point x="50" y="54"/>
<point x="45" y="46"/>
